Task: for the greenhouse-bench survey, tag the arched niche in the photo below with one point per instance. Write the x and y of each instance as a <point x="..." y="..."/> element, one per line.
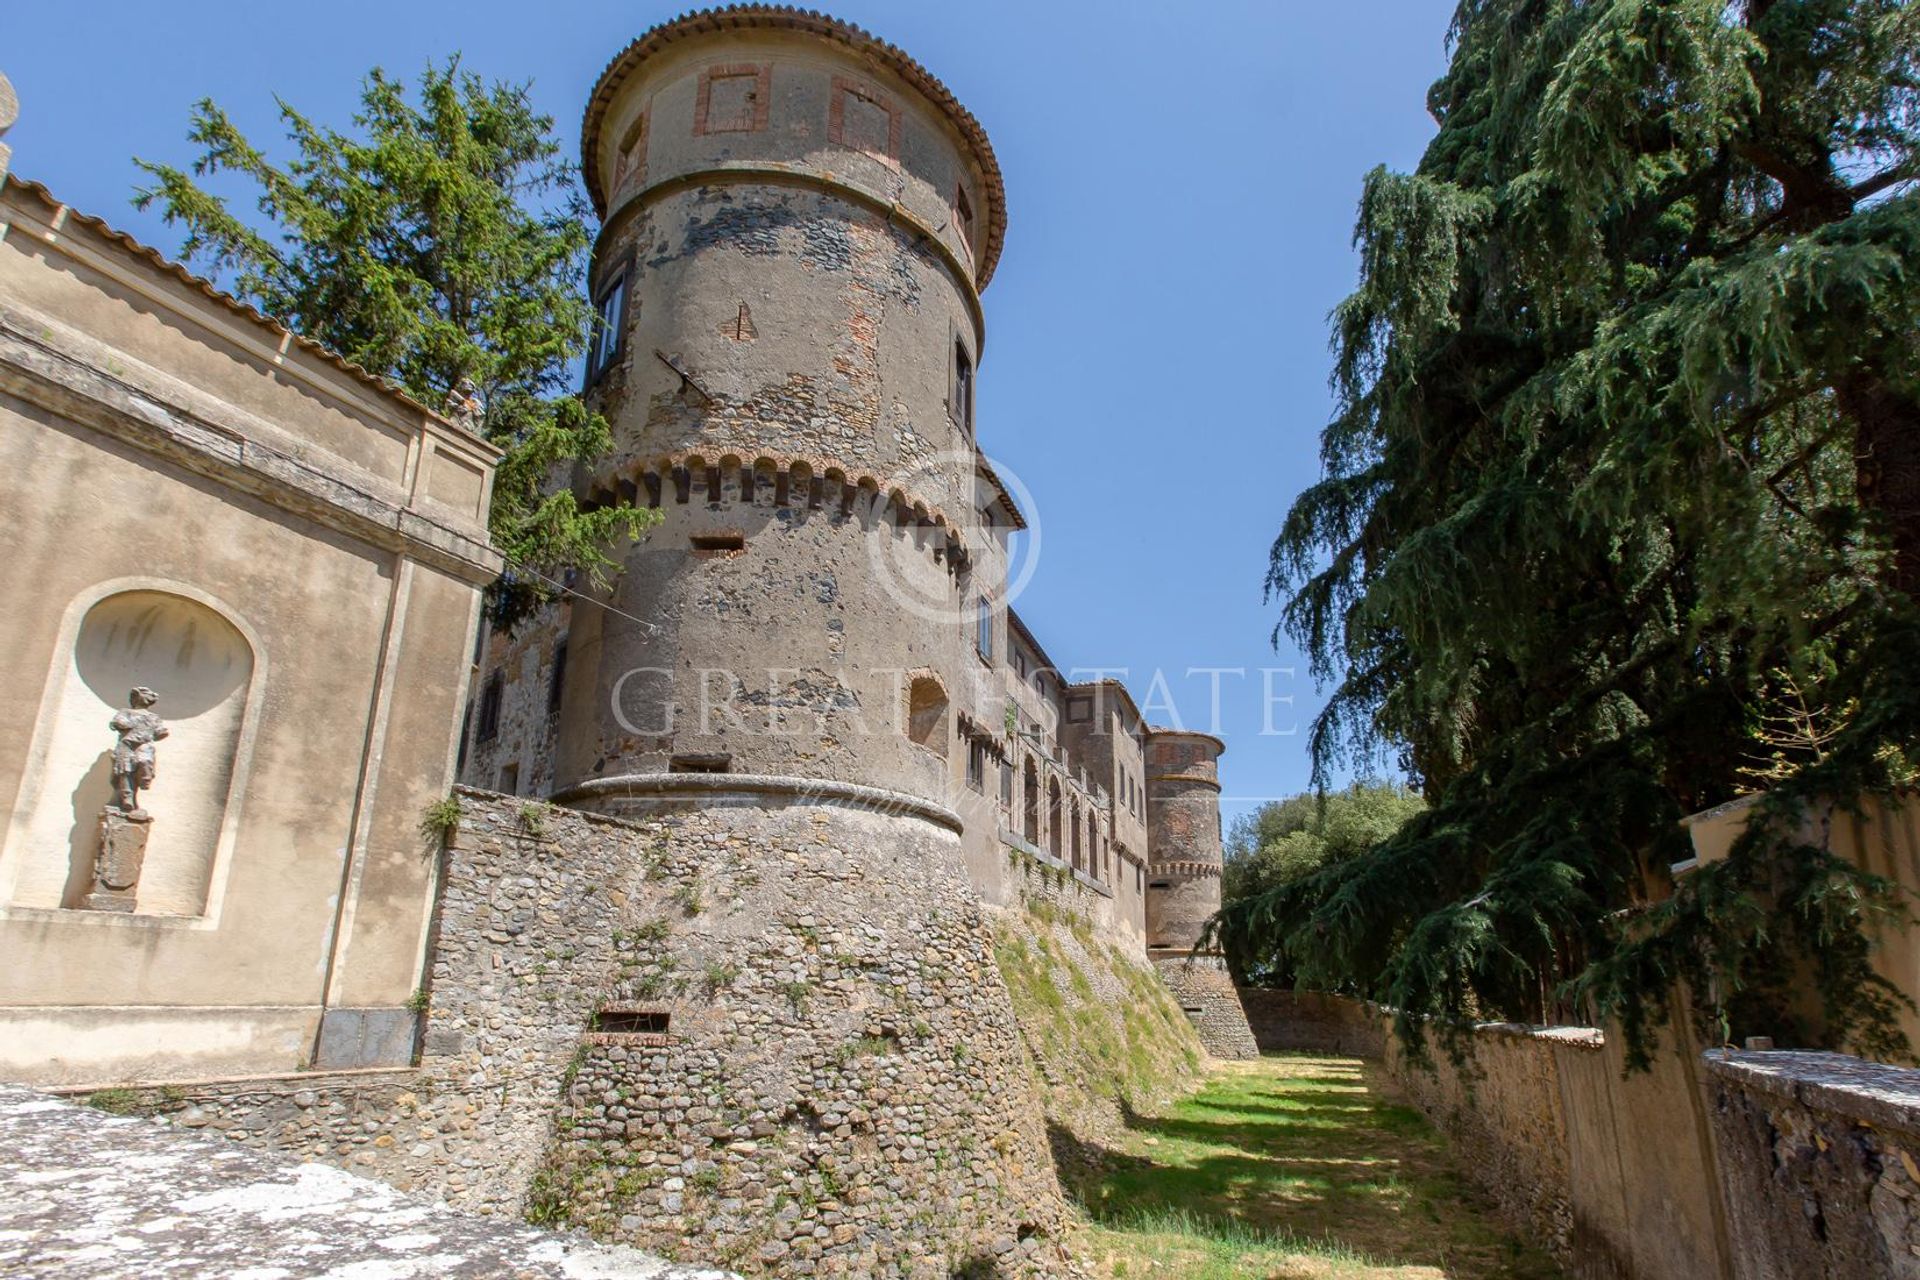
<point x="202" y="667"/>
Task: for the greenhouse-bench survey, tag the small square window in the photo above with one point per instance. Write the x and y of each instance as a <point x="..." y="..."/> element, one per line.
<point x="733" y="99"/>
<point x="860" y="117"/>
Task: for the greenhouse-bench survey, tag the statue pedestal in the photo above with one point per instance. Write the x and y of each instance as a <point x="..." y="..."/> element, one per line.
<point x="116" y="866"/>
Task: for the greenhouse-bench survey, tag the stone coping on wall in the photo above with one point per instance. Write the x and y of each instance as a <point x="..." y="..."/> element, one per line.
<point x="1873" y="1093"/>
<point x="646" y="789"/>
<point x="297" y="1079"/>
<point x="1574" y="1037"/>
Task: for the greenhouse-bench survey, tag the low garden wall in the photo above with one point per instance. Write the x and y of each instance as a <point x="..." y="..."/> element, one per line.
<point x="1819" y="1160"/>
<point x="1612" y="1173"/>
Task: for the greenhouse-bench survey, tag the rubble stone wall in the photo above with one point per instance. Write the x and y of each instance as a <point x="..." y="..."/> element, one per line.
<point x="1205" y="992"/>
<point x="1820" y="1164"/>
<point x="839" y="1087"/>
<point x="1313" y="1022"/>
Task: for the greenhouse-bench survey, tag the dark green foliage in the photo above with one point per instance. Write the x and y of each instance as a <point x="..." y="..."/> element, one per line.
<point x="1625" y="476"/>
<point x="1286" y="841"/>
<point x="442" y="240"/>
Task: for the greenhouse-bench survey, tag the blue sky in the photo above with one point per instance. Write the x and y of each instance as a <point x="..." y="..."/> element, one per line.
<point x="1181" y="187"/>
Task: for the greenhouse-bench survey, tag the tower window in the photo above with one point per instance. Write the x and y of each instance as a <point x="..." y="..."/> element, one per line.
<point x="927" y="713"/>
<point x="609" y="329"/>
<point x="977" y="765"/>
<point x="962" y="386"/>
<point x="860" y="117"/>
<point x="983" y="638"/>
<point x="963" y="215"/>
<point x="489" y="726"/>
<point x="733" y="99"/>
<point x="557" y="682"/>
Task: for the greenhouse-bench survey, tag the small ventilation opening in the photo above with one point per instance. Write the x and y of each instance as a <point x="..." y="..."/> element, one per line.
<point x="1160" y="884"/>
<point x="718" y="544"/>
<point x="699" y="764"/>
<point x="632" y="1022"/>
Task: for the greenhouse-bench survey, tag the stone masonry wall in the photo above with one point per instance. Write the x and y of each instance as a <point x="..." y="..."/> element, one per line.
<point x="1205" y="992"/>
<point x="1820" y="1164"/>
<point x="840" y="1088"/>
<point x="1312" y="1022"/>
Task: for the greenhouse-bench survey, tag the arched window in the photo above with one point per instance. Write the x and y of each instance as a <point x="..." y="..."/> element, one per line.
<point x="927" y="713"/>
<point x="1073" y="825"/>
<point x="1053" y="816"/>
<point x="1030" y="799"/>
<point x="201" y="668"/>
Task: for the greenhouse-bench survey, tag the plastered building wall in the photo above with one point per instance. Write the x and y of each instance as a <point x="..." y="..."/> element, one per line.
<point x="291" y="556"/>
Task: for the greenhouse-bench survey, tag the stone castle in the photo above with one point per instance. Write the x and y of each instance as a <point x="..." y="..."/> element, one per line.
<point x="798" y="223"/>
<point x="703" y="950"/>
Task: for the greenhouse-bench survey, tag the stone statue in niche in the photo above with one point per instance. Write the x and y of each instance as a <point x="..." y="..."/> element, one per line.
<point x="139" y="728"/>
<point x="124" y="824"/>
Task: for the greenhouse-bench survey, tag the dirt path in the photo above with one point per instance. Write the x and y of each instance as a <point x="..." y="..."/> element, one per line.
<point x="1292" y="1168"/>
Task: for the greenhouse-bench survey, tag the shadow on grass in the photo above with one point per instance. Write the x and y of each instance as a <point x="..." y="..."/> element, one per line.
<point x="1298" y="1156"/>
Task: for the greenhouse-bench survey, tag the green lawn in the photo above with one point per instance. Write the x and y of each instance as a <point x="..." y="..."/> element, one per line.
<point x="1290" y="1168"/>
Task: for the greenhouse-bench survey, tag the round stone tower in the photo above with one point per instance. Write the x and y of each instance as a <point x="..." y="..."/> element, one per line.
<point x="1184" y="864"/>
<point x="1184" y="857"/>
<point x="799" y="219"/>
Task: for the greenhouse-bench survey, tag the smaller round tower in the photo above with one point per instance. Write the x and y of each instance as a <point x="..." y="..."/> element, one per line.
<point x="1184" y="866"/>
<point x="1184" y="859"/>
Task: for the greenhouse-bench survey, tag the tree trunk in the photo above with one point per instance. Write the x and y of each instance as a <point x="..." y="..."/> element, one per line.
<point x="1887" y="469"/>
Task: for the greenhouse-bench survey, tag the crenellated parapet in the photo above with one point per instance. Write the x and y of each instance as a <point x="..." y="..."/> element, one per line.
<point x="799" y="482"/>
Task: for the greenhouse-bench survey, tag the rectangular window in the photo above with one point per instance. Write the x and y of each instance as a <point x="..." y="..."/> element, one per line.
<point x="1079" y="710"/>
<point x="724" y="543"/>
<point x="962" y="386"/>
<point x="609" y="329"/>
<point x="977" y="765"/>
<point x="509" y="783"/>
<point x="489" y="727"/>
<point x="733" y="99"/>
<point x="963" y="216"/>
<point x="1006" y="785"/>
<point x="1020" y="664"/>
<point x="983" y="637"/>
<point x="628" y="1022"/>
<point x="557" y="682"/>
<point x="861" y="118"/>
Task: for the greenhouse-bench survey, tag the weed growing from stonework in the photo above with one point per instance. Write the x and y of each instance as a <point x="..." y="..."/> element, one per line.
<point x="688" y="898"/>
<point x="441" y="243"/>
<point x="441" y="818"/>
<point x="116" y="1101"/>
<point x="796" y="994"/>
<point x="420" y="1001"/>
<point x="720" y="976"/>
<point x="533" y="817"/>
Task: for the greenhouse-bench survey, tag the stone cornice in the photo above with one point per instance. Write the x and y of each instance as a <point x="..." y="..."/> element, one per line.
<point x="79" y="391"/>
<point x="647" y="788"/>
